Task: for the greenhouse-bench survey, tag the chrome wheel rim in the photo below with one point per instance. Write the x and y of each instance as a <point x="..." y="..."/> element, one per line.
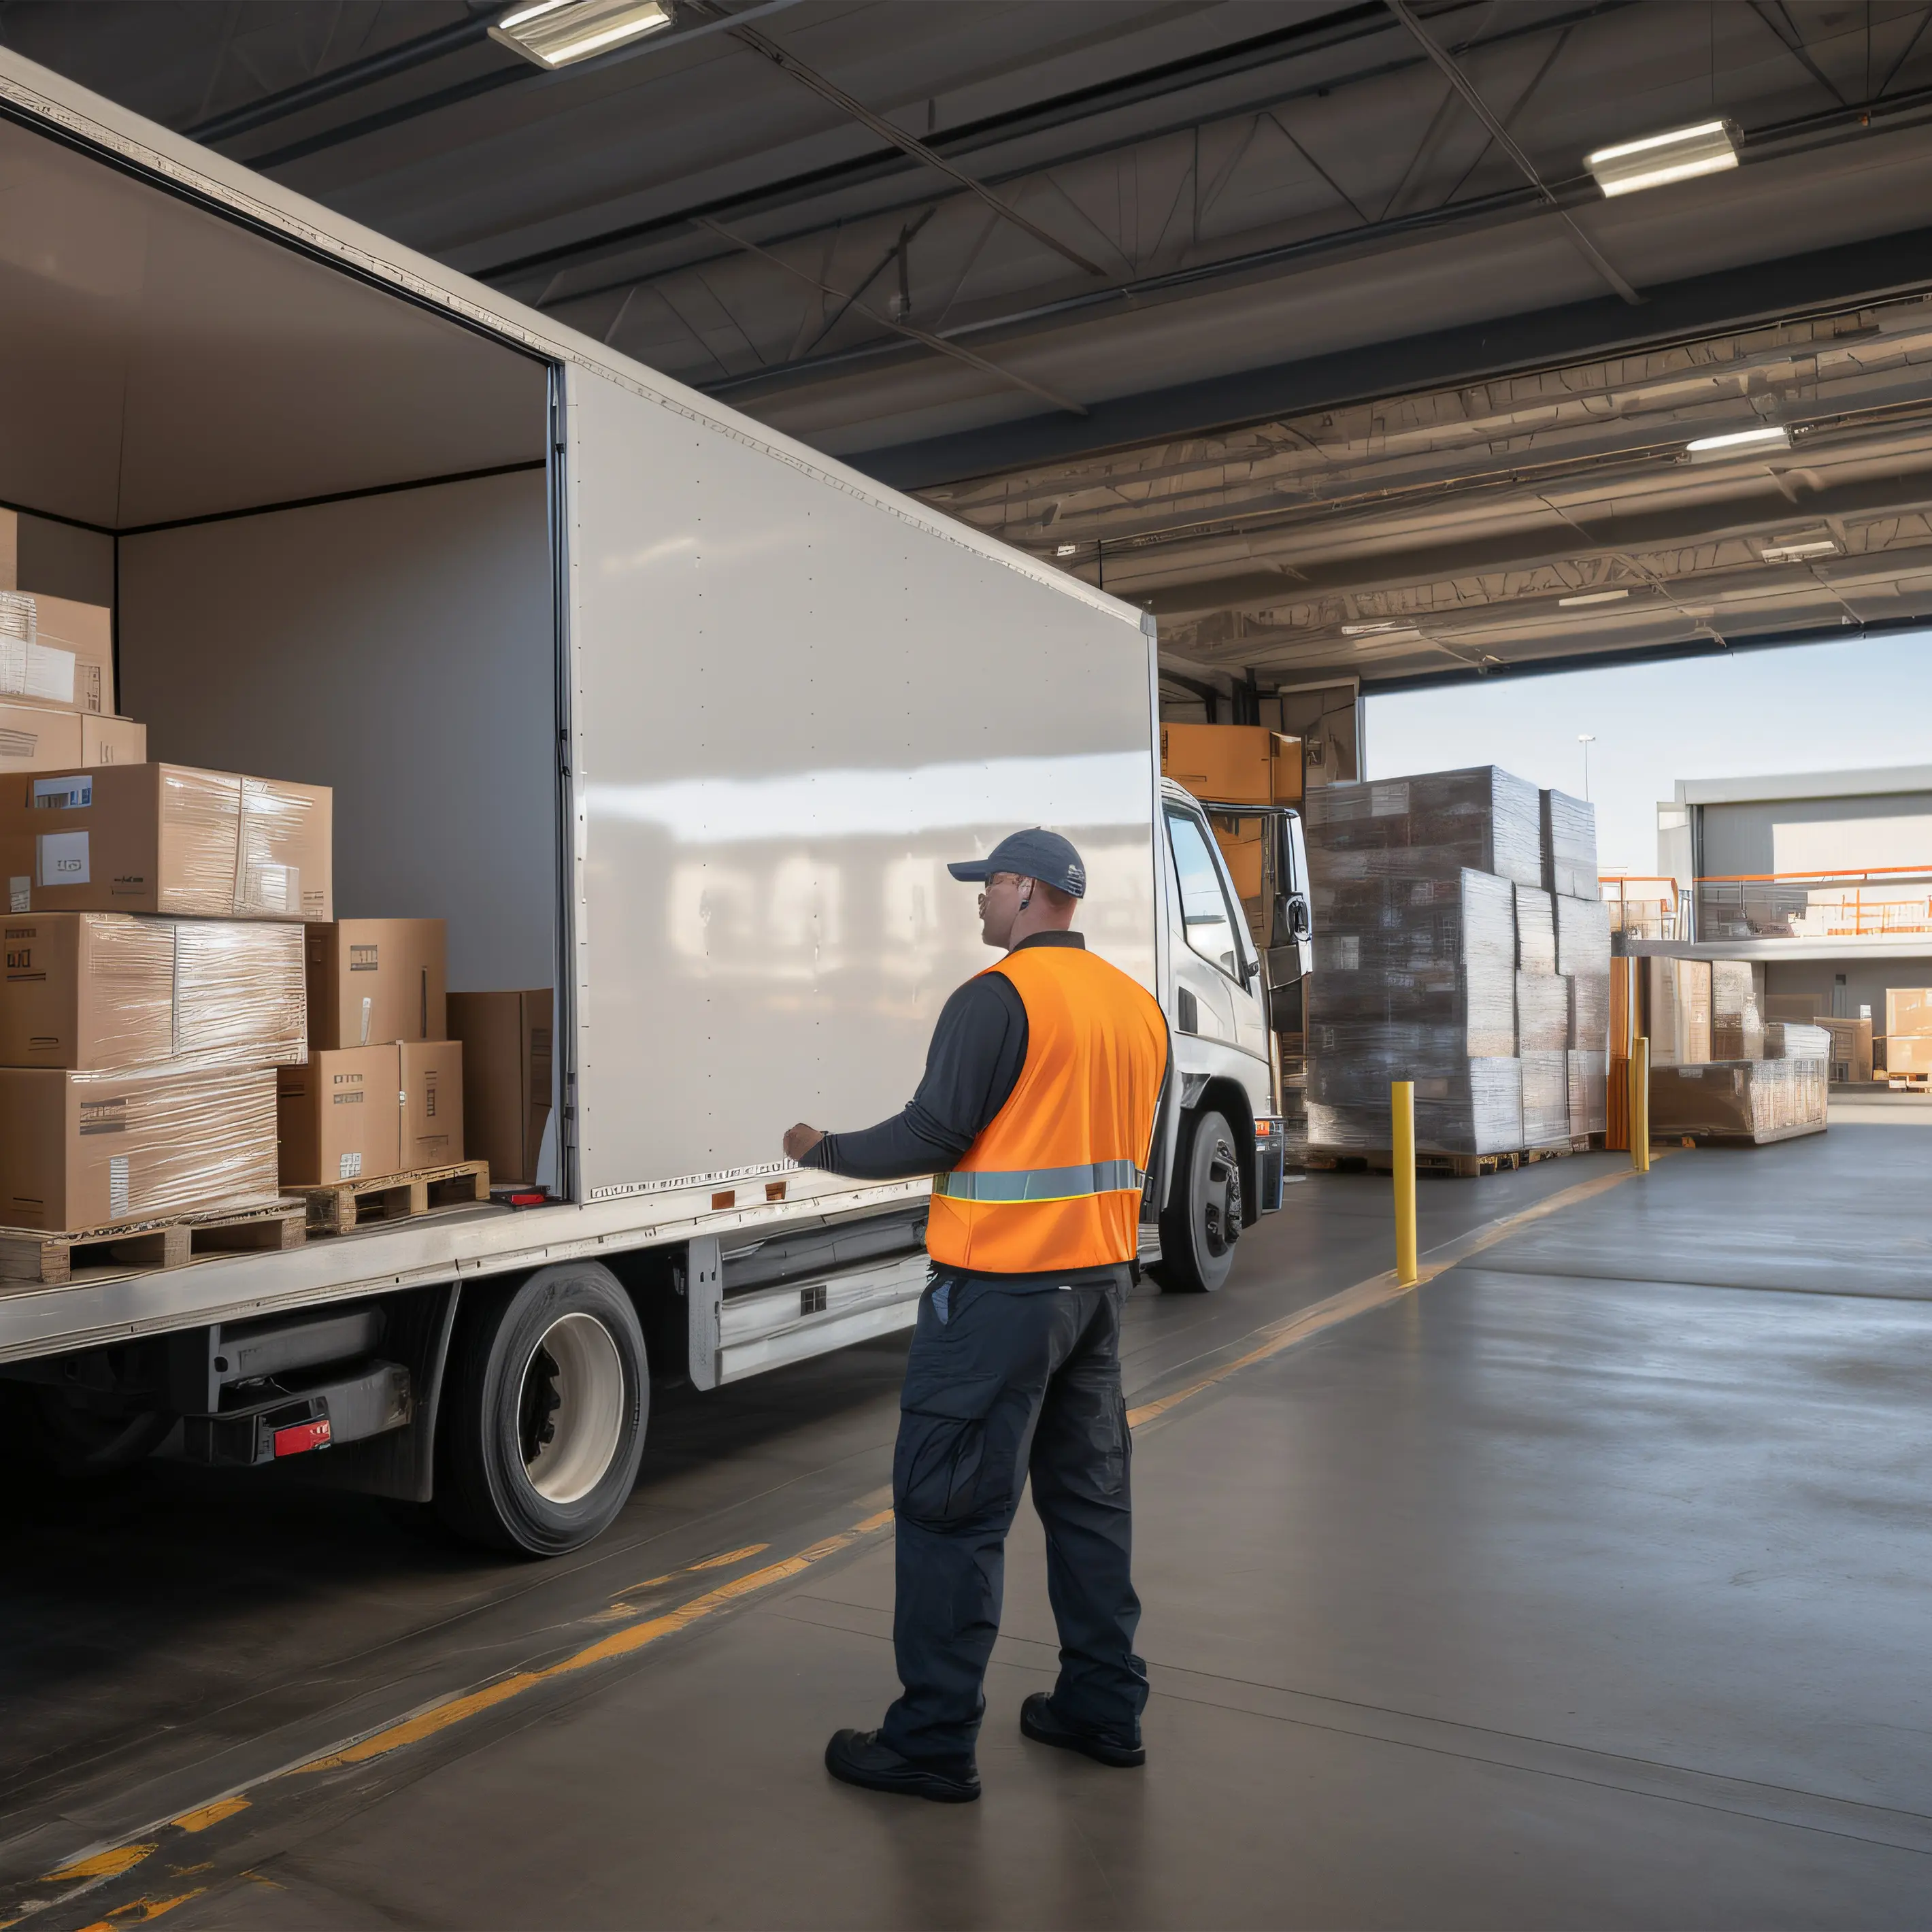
<point x="1221" y="1198"/>
<point x="570" y="1409"/>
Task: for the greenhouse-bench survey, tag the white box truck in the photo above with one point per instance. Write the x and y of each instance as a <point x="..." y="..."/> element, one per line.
<point x="658" y="710"/>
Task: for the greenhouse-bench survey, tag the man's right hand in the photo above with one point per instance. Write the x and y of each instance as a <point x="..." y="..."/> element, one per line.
<point x="799" y="1141"/>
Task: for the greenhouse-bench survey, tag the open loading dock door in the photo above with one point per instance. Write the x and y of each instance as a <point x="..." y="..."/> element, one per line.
<point x="321" y="514"/>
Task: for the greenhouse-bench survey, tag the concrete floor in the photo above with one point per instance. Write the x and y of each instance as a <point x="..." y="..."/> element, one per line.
<point x="1585" y="1586"/>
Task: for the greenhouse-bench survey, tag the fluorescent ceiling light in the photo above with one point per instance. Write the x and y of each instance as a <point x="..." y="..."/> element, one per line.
<point x="1658" y="159"/>
<point x="554" y="33"/>
<point x="1065" y="550"/>
<point x="1795" y="550"/>
<point x="1388" y="627"/>
<point x="1593" y="597"/>
<point x="1770" y="436"/>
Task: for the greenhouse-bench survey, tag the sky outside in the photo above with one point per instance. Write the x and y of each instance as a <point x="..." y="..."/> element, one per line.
<point x="1809" y="708"/>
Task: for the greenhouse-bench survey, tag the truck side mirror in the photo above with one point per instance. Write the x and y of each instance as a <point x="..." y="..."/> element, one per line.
<point x="1300" y="925"/>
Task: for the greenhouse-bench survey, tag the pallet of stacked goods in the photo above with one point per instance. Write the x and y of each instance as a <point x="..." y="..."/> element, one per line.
<point x="153" y="986"/>
<point x="1418" y="884"/>
<point x="1582" y="923"/>
<point x="372" y="1124"/>
<point x="57" y="687"/>
<point x="1908" y="1038"/>
<point x="1719" y="1071"/>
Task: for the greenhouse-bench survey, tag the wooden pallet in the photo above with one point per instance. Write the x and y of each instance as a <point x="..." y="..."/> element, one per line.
<point x="164" y="1241"/>
<point x="1908" y="1083"/>
<point x="336" y="1206"/>
<point x="1462" y="1166"/>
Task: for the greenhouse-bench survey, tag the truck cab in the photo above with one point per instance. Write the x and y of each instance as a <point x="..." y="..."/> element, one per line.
<point x="1232" y="976"/>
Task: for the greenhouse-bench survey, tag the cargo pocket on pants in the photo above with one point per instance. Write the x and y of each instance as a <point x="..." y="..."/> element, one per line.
<point x="947" y="1465"/>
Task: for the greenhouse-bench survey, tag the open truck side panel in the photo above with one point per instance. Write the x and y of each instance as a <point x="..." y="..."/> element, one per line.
<point x="657" y="709"/>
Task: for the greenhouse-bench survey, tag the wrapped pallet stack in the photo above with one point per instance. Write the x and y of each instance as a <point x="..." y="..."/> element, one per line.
<point x="1443" y="955"/>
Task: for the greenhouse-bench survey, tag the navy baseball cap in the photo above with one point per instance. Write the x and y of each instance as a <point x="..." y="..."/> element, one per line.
<point x="1044" y="855"/>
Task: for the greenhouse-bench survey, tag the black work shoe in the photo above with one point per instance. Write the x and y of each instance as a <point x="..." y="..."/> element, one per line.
<point x="859" y="1757"/>
<point x="1040" y="1722"/>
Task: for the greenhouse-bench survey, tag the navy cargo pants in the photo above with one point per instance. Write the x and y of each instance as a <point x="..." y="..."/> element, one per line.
<point x="1010" y="1377"/>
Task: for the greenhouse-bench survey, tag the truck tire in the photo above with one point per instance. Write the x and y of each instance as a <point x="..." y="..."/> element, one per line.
<point x="545" y="1399"/>
<point x="1202" y="1220"/>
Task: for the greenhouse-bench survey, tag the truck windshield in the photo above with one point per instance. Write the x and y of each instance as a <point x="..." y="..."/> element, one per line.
<point x="1204" y="911"/>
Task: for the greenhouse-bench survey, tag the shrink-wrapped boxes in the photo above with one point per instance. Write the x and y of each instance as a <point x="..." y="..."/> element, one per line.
<point x="1545" y="1099"/>
<point x="1758" y="1100"/>
<point x="1430" y="826"/>
<point x="95" y="992"/>
<point x="1737" y="1012"/>
<point x="1680" y="1012"/>
<point x="1477" y="1109"/>
<point x="84" y="1150"/>
<point x="1569" y="846"/>
<point x="167" y="838"/>
<point x="53" y="651"/>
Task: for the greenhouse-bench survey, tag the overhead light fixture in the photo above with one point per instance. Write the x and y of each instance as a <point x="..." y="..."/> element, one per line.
<point x="1769" y="436"/>
<point x="1797" y="550"/>
<point x="1388" y="627"/>
<point x="556" y="33"/>
<point x="1593" y="597"/>
<point x="1065" y="550"/>
<point x="1708" y="148"/>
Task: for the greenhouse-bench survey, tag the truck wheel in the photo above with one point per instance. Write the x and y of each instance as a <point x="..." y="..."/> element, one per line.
<point x="1202" y="1220"/>
<point x="545" y="1399"/>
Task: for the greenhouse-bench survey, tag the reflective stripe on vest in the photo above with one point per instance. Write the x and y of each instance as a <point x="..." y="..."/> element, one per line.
<point x="1054" y="1180"/>
<point x="1043" y="1183"/>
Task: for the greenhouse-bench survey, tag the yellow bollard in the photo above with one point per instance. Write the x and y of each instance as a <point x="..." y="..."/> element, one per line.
<point x="1402" y="1112"/>
<point x="1639" y="1103"/>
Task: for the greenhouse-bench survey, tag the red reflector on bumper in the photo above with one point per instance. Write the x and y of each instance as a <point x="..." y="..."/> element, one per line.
<point x="299" y="1436"/>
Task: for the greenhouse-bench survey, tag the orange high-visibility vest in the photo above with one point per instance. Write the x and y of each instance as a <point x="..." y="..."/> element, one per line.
<point x="1054" y="1181"/>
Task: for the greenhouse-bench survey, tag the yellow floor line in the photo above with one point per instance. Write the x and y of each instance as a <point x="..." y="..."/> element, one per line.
<point x="111" y="1862"/>
<point x="1379" y="1290"/>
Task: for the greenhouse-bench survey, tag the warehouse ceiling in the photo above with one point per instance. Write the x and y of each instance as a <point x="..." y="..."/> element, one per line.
<point x="1303" y="323"/>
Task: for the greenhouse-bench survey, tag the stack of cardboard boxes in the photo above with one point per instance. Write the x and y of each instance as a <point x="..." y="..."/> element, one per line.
<point x="1237" y="765"/>
<point x="381" y="1092"/>
<point x="1908" y="1032"/>
<point x="1449" y="952"/>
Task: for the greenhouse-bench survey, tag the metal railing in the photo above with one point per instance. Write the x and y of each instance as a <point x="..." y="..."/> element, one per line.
<point x="1881" y="902"/>
<point x="1643" y="907"/>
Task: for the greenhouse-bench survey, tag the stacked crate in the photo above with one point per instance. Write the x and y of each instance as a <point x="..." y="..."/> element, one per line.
<point x="1449" y="952"/>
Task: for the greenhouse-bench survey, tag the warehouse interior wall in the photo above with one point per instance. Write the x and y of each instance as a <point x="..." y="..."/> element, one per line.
<point x="1845" y="987"/>
<point x="66" y="560"/>
<point x="399" y="647"/>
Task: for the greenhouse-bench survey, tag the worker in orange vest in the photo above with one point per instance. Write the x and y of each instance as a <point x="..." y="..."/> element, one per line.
<point x="1035" y="1118"/>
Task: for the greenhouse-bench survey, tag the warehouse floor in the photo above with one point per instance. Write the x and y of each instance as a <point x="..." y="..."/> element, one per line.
<point x="1583" y="1586"/>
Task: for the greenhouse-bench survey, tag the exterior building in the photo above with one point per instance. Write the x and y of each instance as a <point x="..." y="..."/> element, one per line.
<point x="1825" y="877"/>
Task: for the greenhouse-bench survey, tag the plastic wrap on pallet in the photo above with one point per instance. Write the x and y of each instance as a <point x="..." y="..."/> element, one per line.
<point x="1484" y="1117"/>
<point x="1737" y="1009"/>
<point x="1589" y="1094"/>
<point x="1546" y="1099"/>
<point x="1535" y="931"/>
<point x="1569" y="826"/>
<point x="1582" y="937"/>
<point x="83" y="1150"/>
<point x="1758" y="1100"/>
<point x="1428" y="827"/>
<point x="1542" y="1013"/>
<point x="1354" y="1066"/>
<point x="99" y="990"/>
<point x="1589" y="1013"/>
<point x="1790" y="1040"/>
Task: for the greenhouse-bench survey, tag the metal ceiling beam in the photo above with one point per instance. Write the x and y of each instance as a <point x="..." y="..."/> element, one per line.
<point x="1824" y="282"/>
<point x="1504" y="139"/>
<point x="829" y="91"/>
<point x="905" y="328"/>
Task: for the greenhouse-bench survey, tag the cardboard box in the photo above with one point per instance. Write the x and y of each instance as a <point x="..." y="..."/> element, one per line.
<point x="506" y="1083"/>
<point x="165" y="838"/>
<point x="1908" y="1010"/>
<point x="53" y="651"/>
<point x="93" y="992"/>
<point x="432" y="1102"/>
<point x="10" y="550"/>
<point x="112" y="741"/>
<point x="1243" y="850"/>
<point x="1851" y="1058"/>
<point x="340" y="1117"/>
<point x="374" y="980"/>
<point x="81" y="1150"/>
<point x="1236" y="764"/>
<point x="44" y="738"/>
<point x="1908" y="1053"/>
